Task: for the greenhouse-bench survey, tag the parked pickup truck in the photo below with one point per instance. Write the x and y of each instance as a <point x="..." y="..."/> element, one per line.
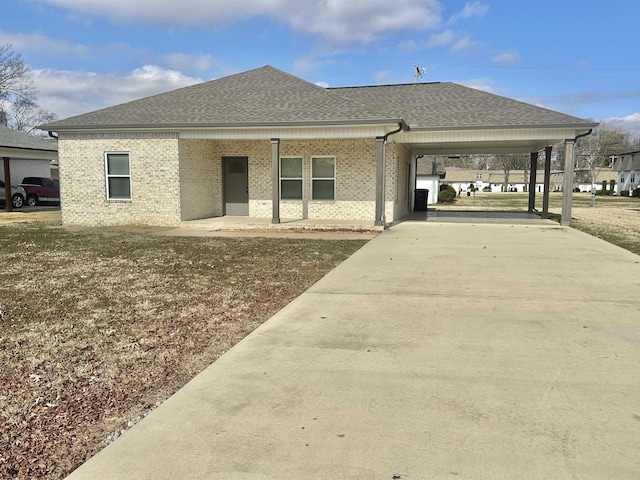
<point x="40" y="189"/>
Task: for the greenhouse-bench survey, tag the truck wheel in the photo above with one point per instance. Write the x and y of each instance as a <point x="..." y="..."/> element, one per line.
<point x="32" y="200"/>
<point x="17" y="201"/>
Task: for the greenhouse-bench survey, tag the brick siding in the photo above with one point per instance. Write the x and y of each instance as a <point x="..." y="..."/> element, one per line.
<point x="176" y="180"/>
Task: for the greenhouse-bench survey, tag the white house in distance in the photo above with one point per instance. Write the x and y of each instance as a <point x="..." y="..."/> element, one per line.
<point x="627" y="166"/>
<point x="461" y="179"/>
<point x="265" y="144"/>
<point x="27" y="156"/>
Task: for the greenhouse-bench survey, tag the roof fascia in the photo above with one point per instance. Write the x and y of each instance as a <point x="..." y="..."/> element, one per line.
<point x="329" y="123"/>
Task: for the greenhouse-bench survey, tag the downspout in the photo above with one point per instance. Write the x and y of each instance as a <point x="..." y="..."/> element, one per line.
<point x="381" y="160"/>
<point x="53" y="135"/>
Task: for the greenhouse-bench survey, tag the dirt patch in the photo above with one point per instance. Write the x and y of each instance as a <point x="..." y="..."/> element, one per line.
<point x="50" y="216"/>
<point x="97" y="328"/>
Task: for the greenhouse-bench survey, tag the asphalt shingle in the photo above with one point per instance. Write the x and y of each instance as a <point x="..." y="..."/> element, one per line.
<point x="10" y="138"/>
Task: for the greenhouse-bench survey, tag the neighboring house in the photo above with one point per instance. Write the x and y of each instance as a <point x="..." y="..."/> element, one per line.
<point x="25" y="156"/>
<point x="583" y="183"/>
<point x="627" y="167"/>
<point x="266" y="144"/>
<point x="29" y="156"/>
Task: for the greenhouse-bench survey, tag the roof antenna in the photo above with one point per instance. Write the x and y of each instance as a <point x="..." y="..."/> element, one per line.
<point x="418" y="73"/>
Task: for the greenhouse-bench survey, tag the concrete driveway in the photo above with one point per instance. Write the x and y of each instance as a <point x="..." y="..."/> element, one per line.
<point x="436" y="351"/>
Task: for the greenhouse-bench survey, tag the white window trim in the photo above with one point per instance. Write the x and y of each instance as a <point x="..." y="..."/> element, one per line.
<point x="107" y="177"/>
<point x="335" y="175"/>
<point x="301" y="178"/>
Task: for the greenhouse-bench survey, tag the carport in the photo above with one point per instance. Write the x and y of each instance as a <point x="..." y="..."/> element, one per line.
<point x="508" y="141"/>
<point x="16" y="145"/>
<point x="450" y="119"/>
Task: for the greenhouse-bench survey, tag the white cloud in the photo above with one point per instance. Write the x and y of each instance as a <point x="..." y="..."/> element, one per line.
<point x="465" y="44"/>
<point x="475" y="9"/>
<point x="383" y="77"/>
<point x="479" y="84"/>
<point x="322" y="84"/>
<point x="440" y="39"/>
<point x="69" y="93"/>
<point x="183" y="61"/>
<point x="435" y="40"/>
<point x="629" y="123"/>
<point x="309" y="64"/>
<point x="507" y="58"/>
<point x="37" y="43"/>
<point x="337" y="21"/>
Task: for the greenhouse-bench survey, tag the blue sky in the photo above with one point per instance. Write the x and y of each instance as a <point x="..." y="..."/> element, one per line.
<point x="577" y="56"/>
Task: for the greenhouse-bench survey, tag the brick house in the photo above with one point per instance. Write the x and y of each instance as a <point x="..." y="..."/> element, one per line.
<point x="266" y="144"/>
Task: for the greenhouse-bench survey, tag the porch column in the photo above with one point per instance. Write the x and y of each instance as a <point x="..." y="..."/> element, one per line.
<point x="380" y="174"/>
<point x="8" y="206"/>
<point x="547" y="182"/>
<point x="275" y="180"/>
<point x="567" y="188"/>
<point x="532" y="181"/>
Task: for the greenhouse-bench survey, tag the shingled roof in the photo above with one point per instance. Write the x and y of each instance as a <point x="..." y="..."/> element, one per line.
<point x="10" y="138"/>
<point x="267" y="96"/>
<point x="427" y="106"/>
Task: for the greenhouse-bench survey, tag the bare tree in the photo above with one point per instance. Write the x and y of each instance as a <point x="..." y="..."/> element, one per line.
<point x="510" y="162"/>
<point x="26" y="115"/>
<point x="18" y="106"/>
<point x="596" y="150"/>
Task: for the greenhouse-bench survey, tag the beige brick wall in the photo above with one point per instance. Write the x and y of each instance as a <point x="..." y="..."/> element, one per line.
<point x="166" y="191"/>
<point x="155" y="187"/>
<point x="355" y="176"/>
<point x="200" y="180"/>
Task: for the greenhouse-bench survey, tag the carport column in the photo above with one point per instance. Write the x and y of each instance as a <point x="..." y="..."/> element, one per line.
<point x="567" y="188"/>
<point x="275" y="180"/>
<point x="547" y="182"/>
<point x="380" y="173"/>
<point x="8" y="206"/>
<point x="532" y="181"/>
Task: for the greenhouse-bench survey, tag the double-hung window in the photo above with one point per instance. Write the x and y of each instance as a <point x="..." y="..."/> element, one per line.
<point x="291" y="178"/>
<point x="323" y="178"/>
<point x="118" y="176"/>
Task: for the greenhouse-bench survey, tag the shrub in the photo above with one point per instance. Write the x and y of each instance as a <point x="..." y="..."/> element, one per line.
<point x="636" y="192"/>
<point x="624" y="193"/>
<point x="446" y="195"/>
<point x="612" y="185"/>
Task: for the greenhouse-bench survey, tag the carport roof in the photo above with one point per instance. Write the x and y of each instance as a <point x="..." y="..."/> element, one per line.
<point x="267" y="96"/>
<point x="13" y="139"/>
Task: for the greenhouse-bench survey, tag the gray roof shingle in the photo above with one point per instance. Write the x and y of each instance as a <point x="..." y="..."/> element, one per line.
<point x="449" y="105"/>
<point x="10" y="138"/>
<point x="267" y="96"/>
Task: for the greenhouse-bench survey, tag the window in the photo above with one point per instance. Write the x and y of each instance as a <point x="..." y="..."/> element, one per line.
<point x="291" y="178"/>
<point x="323" y="178"/>
<point x="621" y="178"/>
<point x="118" y="175"/>
<point x="632" y="178"/>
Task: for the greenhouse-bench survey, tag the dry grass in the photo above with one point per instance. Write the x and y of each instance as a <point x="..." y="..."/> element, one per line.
<point x="614" y="219"/>
<point x="98" y="327"/>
